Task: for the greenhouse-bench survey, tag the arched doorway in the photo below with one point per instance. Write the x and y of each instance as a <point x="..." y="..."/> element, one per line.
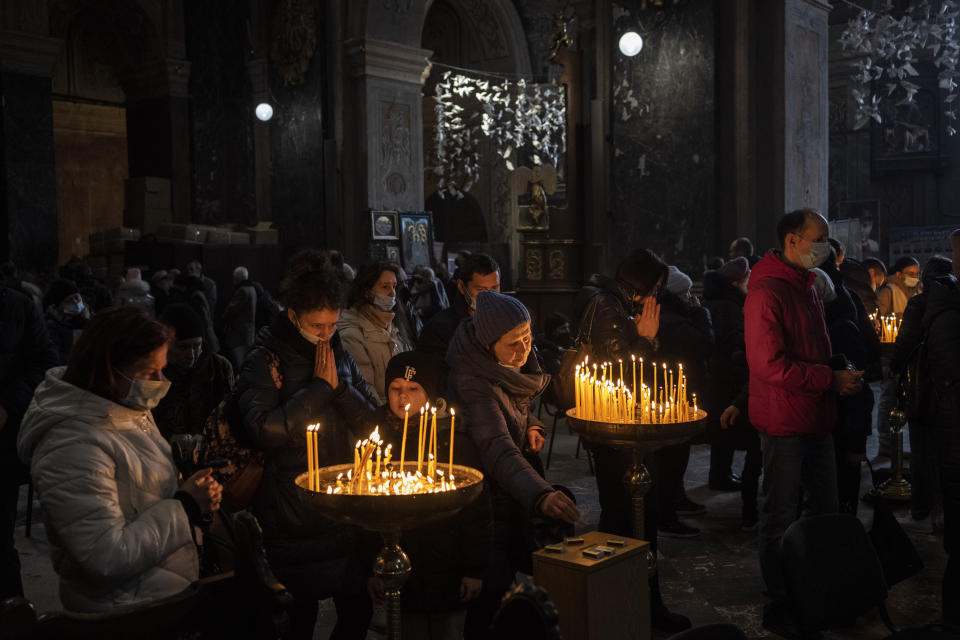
<point x="488" y="37"/>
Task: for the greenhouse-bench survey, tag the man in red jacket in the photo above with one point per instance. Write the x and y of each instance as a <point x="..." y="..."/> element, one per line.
<point x="792" y="400"/>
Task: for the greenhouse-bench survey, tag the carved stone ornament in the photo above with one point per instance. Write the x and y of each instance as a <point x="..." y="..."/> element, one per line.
<point x="293" y="40"/>
<point x="557" y="264"/>
<point x="534" y="264"/>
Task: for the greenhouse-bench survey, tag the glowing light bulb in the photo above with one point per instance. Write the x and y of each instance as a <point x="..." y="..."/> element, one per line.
<point x="263" y="111"/>
<point x="630" y="43"/>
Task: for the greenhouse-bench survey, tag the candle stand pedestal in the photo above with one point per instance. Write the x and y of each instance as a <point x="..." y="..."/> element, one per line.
<point x="389" y="515"/>
<point x="897" y="487"/>
<point x="639" y="439"/>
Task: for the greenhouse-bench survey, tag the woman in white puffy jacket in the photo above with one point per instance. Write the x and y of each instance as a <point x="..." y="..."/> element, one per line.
<point x="117" y="516"/>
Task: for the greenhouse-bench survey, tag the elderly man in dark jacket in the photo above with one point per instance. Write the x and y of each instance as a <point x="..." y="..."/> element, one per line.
<point x="239" y="319"/>
<point x="494" y="379"/>
<point x="907" y="351"/>
<point x="299" y="374"/>
<point x="942" y="323"/>
<point x="852" y="335"/>
<point x="724" y="292"/>
<point x="25" y="354"/>
<point x="620" y="317"/>
<point x="479" y="272"/>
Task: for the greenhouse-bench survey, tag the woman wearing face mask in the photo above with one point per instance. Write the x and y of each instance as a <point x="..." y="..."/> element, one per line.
<point x="367" y="326"/>
<point x="298" y="374"/>
<point x="117" y="515"/>
<point x="66" y="316"/>
<point x="199" y="378"/>
<point x="899" y="287"/>
<point x="494" y="379"/>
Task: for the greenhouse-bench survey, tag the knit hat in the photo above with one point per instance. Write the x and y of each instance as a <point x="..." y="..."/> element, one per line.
<point x="426" y="370"/>
<point x="497" y="314"/>
<point x="58" y="290"/>
<point x="735" y="270"/>
<point x="184" y="320"/>
<point x="678" y="283"/>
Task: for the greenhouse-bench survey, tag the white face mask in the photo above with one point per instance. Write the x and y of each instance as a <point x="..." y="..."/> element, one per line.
<point x="910" y="282"/>
<point x="384" y="303"/>
<point x="309" y="337"/>
<point x="144" y="394"/>
<point x="73" y="309"/>
<point x="819" y="251"/>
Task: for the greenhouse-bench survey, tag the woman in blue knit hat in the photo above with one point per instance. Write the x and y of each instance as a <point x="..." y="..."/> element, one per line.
<point x="493" y="378"/>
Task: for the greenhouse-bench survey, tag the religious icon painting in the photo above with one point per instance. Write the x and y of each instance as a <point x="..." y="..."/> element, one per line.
<point x="416" y="239"/>
<point x="384" y="225"/>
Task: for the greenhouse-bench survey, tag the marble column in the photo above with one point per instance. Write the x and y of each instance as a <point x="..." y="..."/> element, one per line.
<point x="28" y="207"/>
<point x="383" y="113"/>
<point x="791" y="99"/>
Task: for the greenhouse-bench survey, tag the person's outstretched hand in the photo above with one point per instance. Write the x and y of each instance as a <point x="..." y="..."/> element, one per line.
<point x="204" y="489"/>
<point x="558" y="506"/>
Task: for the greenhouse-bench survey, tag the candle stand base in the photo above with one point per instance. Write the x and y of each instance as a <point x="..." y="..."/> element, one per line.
<point x="639" y="439"/>
<point x="897" y="488"/>
<point x="393" y="568"/>
<point x="389" y="515"/>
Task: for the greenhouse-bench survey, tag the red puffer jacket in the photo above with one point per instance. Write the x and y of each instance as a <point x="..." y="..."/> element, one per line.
<point x="788" y="351"/>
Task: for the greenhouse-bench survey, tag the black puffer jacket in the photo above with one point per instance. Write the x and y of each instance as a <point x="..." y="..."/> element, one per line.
<point x="442" y="552"/>
<point x="686" y="336"/>
<point x="438" y="332"/>
<point x="26" y="353"/>
<point x="942" y="323"/>
<point x="609" y="329"/>
<point x="852" y="335"/>
<point x="728" y="364"/>
<point x="276" y="421"/>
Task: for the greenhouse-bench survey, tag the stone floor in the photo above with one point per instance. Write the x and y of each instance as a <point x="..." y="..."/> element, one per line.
<point x="713" y="578"/>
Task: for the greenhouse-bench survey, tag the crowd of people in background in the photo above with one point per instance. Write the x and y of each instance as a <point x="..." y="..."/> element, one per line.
<point x="102" y="383"/>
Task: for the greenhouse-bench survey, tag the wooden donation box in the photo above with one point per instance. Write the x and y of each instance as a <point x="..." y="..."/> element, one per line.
<point x="605" y="598"/>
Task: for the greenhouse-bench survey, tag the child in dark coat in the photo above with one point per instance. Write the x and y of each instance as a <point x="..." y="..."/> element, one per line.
<point x="448" y="557"/>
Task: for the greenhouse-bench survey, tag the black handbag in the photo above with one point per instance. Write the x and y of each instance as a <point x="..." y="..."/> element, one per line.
<point x="581" y="349"/>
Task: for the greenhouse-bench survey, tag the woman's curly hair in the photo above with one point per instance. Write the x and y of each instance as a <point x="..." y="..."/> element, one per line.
<point x="311" y="282"/>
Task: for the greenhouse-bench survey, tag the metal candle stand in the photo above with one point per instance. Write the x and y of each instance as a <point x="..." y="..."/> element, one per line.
<point x="896" y="487"/>
<point x="389" y="515"/>
<point x="640" y="439"/>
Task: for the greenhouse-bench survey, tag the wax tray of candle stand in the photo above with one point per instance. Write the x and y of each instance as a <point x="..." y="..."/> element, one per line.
<point x="647" y="436"/>
<point x="390" y="512"/>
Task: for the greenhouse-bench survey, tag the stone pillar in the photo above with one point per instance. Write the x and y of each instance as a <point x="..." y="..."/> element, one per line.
<point x="384" y="115"/>
<point x="791" y="98"/>
<point x="28" y="206"/>
<point x="158" y="127"/>
<point x="259" y="81"/>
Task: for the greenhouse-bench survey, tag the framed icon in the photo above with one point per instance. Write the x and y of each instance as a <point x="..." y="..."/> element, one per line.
<point x="384" y="225"/>
<point x="416" y="239"/>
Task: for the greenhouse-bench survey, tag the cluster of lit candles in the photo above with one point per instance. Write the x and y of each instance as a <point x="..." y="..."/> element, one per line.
<point x="599" y="396"/>
<point x="374" y="471"/>
<point x="887" y="326"/>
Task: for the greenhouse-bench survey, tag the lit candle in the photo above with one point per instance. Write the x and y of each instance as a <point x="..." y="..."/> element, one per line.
<point x="420" y="437"/>
<point x="654" y="387"/>
<point x="620" y="360"/>
<point x="633" y="360"/>
<point x="403" y="443"/>
<point x="310" y="468"/>
<point x="453" y="419"/>
<point x="356" y="459"/>
<point x="379" y="454"/>
<point x="316" y="455"/>
<point x="433" y="442"/>
<point x="387" y="454"/>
